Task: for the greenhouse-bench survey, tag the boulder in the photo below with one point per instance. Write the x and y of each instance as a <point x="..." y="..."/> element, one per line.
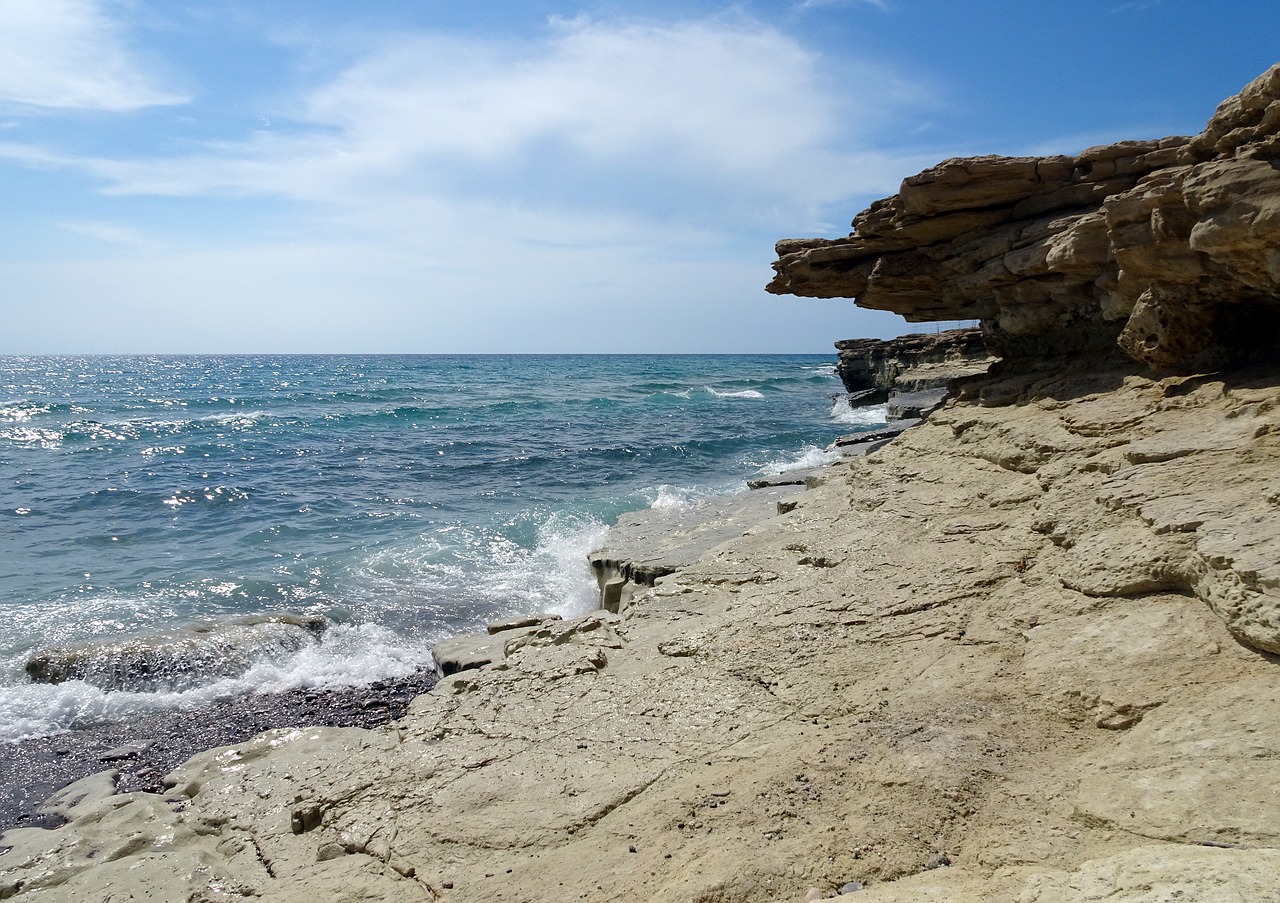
<point x="177" y="659"/>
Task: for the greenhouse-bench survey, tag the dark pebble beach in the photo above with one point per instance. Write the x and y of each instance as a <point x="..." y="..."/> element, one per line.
<point x="146" y="748"/>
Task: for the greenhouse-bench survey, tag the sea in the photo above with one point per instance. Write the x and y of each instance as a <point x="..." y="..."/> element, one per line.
<point x="401" y="499"/>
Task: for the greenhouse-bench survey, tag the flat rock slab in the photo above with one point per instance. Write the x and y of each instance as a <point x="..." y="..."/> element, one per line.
<point x="645" y="545"/>
<point x="888" y="431"/>
<point x="790" y="478"/>
<point x="475" y="650"/>
<point x="914" y="404"/>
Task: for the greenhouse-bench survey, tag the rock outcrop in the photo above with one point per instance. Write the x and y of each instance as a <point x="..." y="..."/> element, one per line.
<point x="910" y="363"/>
<point x="177" y="659"/>
<point x="1168" y="249"/>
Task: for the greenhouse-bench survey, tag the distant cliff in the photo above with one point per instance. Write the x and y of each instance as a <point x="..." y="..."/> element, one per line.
<point x="910" y="363"/>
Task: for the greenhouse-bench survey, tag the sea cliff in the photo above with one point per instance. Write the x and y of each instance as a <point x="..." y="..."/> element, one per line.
<point x="1026" y="651"/>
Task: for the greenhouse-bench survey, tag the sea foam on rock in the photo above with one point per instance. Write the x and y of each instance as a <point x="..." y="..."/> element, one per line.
<point x="178" y="659"/>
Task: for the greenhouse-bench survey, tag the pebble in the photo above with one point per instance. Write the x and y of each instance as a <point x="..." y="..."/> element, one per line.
<point x="148" y="747"/>
<point x="851" y="887"/>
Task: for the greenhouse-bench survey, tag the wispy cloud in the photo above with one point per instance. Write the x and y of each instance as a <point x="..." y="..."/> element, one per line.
<point x="590" y="110"/>
<point x="639" y="167"/>
<point x="881" y="5"/>
<point x="110" y="232"/>
<point x="67" y="54"/>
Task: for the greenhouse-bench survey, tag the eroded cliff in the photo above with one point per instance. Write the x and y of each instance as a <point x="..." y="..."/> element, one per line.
<point x="1168" y="249"/>
<point x="910" y="363"/>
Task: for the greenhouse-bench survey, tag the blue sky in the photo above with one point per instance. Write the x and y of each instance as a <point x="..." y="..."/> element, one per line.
<point x="439" y="177"/>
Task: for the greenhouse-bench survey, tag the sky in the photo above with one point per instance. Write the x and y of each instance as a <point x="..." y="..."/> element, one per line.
<point x="430" y="176"/>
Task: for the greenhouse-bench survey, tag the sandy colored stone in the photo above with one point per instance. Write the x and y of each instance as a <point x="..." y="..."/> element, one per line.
<point x="926" y="661"/>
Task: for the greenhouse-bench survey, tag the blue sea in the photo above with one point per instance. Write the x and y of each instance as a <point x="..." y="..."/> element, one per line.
<point x="403" y="498"/>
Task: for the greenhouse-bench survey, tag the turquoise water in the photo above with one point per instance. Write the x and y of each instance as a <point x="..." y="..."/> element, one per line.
<point x="405" y="498"/>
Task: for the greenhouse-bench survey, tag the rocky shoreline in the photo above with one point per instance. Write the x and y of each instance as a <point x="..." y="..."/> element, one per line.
<point x="1026" y="651"/>
<point x="972" y="665"/>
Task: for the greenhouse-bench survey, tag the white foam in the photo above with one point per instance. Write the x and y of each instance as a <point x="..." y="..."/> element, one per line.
<point x="808" y="458"/>
<point x="348" y="655"/>
<point x="673" y="497"/>
<point x="461" y="577"/>
<point x="744" y="393"/>
<point x="868" y="415"/>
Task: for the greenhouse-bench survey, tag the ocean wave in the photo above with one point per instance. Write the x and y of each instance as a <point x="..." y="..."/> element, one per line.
<point x="741" y="393"/>
<point x="346" y="656"/>
<point x="677" y="497"/>
<point x="805" y="459"/>
<point x="80" y="433"/>
<point x="210" y="495"/>
<point x="868" y="415"/>
<point x="463" y="576"/>
<point x="42" y="437"/>
<point x="22" y="411"/>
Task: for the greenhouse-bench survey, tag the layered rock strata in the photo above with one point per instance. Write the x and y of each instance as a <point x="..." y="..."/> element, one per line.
<point x="1167" y="249"/>
<point x="910" y="363"/>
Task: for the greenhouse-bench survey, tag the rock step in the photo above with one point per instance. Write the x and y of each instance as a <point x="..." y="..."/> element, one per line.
<point x="475" y="650"/>
<point x="644" y="546"/>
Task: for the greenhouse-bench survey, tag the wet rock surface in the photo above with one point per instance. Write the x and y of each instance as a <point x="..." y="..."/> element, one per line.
<point x="873" y="369"/>
<point x="145" y="749"/>
<point x="177" y="659"/>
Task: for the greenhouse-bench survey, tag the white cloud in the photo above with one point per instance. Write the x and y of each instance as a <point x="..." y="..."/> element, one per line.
<point x="110" y="232"/>
<point x="68" y="54"/>
<point x="725" y="106"/>
<point x="819" y="4"/>
<point x="477" y="196"/>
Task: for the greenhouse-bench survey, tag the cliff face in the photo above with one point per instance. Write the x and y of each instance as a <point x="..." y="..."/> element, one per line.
<point x="1168" y="249"/>
<point x="910" y="363"/>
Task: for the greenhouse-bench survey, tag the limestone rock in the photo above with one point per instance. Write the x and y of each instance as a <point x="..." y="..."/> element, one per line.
<point x="910" y="363"/>
<point x="1166" y="248"/>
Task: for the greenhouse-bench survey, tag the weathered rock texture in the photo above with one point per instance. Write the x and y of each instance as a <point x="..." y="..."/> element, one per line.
<point x="972" y="666"/>
<point x="1168" y="248"/>
<point x="910" y="363"/>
